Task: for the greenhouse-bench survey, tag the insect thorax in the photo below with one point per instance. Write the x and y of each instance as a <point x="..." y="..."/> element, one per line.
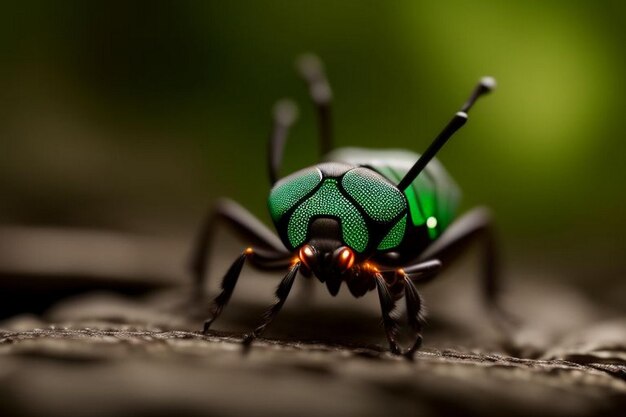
<point x="372" y="212"/>
<point x="433" y="197"/>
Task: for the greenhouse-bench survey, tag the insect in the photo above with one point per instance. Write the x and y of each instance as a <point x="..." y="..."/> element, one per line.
<point x="376" y="220"/>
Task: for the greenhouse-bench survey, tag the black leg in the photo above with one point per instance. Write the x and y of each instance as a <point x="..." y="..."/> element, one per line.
<point x="402" y="283"/>
<point x="413" y="311"/>
<point x="387" y="305"/>
<point x="311" y="69"/>
<point x="474" y="226"/>
<point x="247" y="227"/>
<point x="256" y="258"/>
<point x="282" y="292"/>
<point x="422" y="271"/>
<point x="228" y="285"/>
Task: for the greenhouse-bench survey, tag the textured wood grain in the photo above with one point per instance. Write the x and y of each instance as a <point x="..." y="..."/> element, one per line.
<point x="102" y="350"/>
<point x="134" y="371"/>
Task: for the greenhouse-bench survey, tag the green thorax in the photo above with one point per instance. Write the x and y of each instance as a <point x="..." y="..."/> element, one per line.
<point x="433" y="197"/>
<point x="361" y="199"/>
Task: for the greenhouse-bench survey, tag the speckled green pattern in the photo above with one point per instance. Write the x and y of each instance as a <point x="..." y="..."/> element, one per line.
<point x="433" y="193"/>
<point x="288" y="191"/>
<point x="395" y="235"/>
<point x="423" y="191"/>
<point x="380" y="200"/>
<point x="328" y="201"/>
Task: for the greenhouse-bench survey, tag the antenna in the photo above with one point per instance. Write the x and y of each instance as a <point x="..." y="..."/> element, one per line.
<point x="486" y="85"/>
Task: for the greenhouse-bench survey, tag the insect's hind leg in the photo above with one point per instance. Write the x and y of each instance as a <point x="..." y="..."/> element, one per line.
<point x="474" y="226"/>
<point x="247" y="227"/>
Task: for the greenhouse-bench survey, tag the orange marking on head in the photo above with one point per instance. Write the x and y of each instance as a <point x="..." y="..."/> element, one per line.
<point x="370" y="267"/>
<point x="249" y="251"/>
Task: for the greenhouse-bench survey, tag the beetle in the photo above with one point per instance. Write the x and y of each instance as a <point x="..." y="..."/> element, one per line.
<point x="376" y="220"/>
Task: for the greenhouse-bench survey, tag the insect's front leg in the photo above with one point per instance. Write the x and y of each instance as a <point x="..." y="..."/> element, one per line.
<point x="258" y="258"/>
<point x="413" y="299"/>
<point x="228" y="285"/>
<point x="246" y="226"/>
<point x="398" y="284"/>
<point x="311" y="69"/>
<point x="413" y="311"/>
<point x="282" y="292"/>
<point x="387" y="305"/>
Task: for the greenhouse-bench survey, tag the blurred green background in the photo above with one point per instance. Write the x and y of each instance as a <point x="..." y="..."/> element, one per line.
<point x="136" y="115"/>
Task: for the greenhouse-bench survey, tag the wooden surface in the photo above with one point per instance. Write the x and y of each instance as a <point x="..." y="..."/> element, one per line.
<point x="65" y="372"/>
<point x="108" y="351"/>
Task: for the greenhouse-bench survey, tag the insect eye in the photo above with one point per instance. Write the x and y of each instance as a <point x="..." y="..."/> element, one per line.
<point x="307" y="255"/>
<point x="345" y="258"/>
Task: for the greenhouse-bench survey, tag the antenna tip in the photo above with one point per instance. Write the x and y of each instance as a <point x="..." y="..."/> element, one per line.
<point x="488" y="83"/>
<point x="285" y="112"/>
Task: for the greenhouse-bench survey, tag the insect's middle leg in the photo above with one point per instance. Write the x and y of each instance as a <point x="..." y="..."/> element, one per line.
<point x="473" y="226"/>
<point x="400" y="283"/>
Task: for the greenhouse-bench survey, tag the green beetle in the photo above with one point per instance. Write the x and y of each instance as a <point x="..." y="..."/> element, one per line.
<point x="373" y="219"/>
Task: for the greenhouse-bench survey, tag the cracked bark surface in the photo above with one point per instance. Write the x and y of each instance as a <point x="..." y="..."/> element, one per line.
<point x="140" y="353"/>
<point x="141" y="372"/>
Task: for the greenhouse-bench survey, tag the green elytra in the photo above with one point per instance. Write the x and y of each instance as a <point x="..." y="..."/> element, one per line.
<point x="432" y="195"/>
<point x="365" y="195"/>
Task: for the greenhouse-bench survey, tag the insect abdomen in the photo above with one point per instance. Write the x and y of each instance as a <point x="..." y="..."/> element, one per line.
<point x="433" y="197"/>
